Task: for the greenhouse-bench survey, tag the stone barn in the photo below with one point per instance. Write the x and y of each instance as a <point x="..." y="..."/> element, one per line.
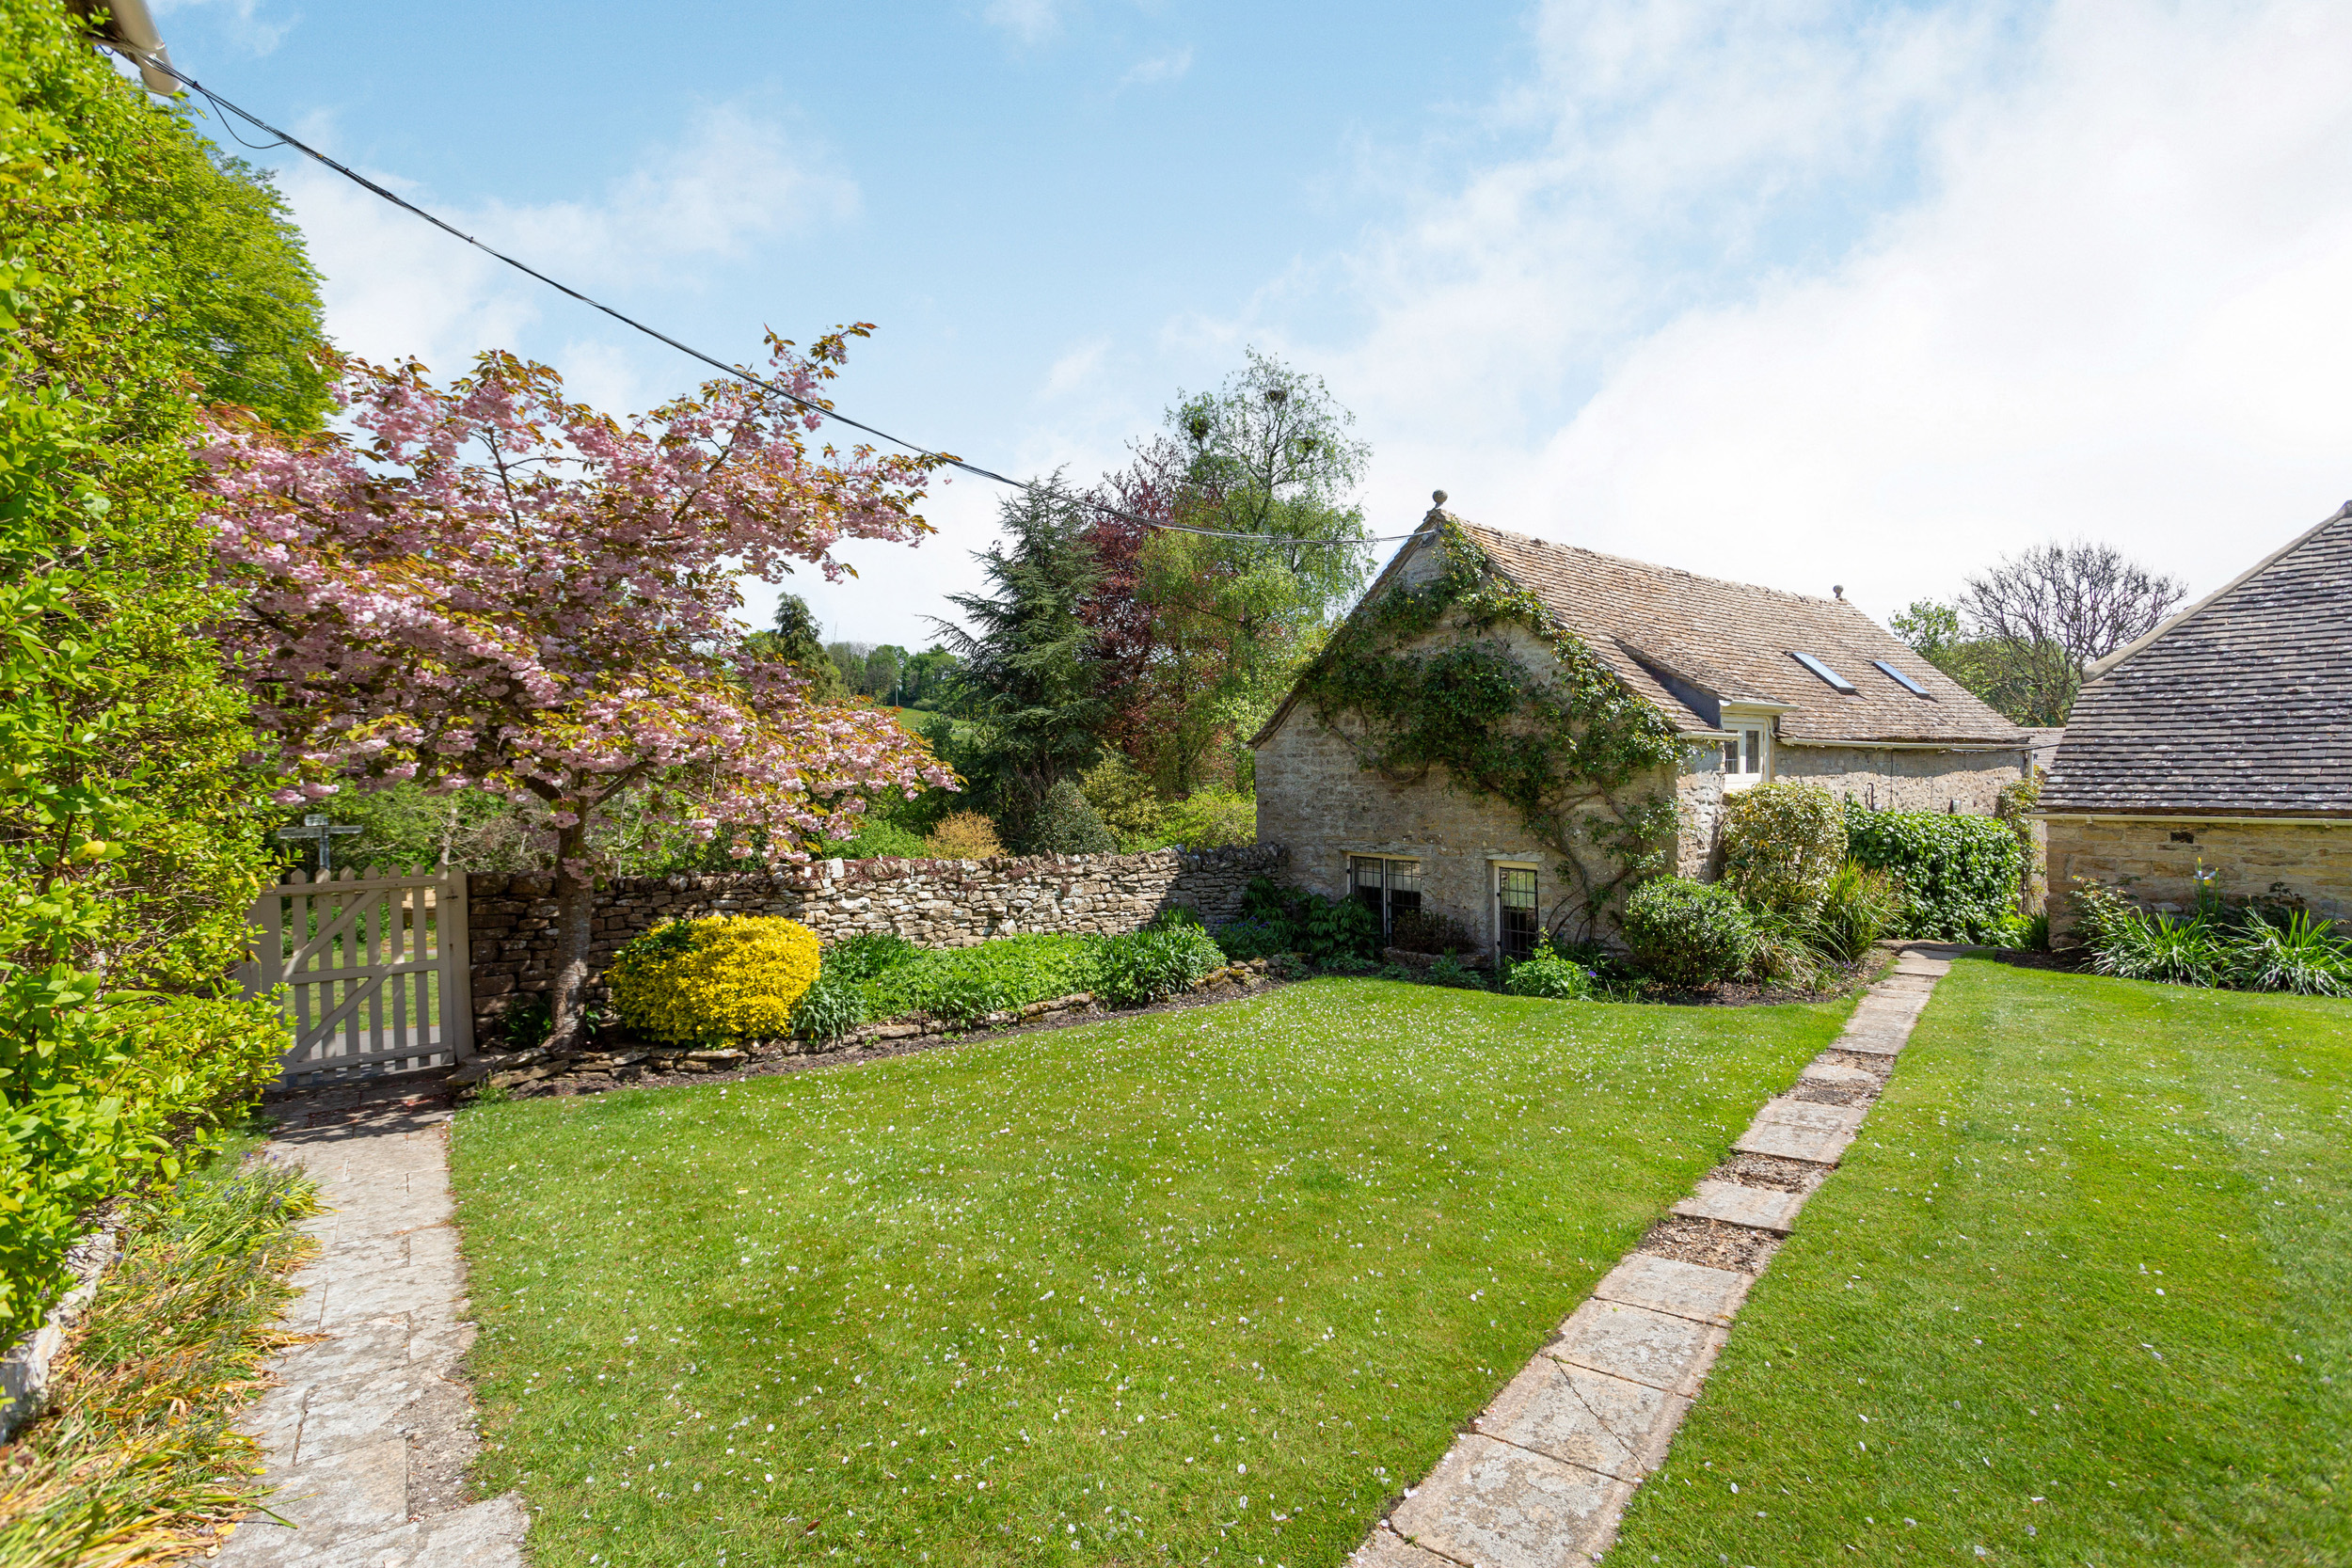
<point x="1378" y="777"/>
<point x="2217" y="746"/>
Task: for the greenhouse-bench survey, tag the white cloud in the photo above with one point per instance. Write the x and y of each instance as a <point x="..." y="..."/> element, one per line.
<point x="1030" y="21"/>
<point x="1170" y="66"/>
<point x="397" y="286"/>
<point x="1077" y="368"/>
<point x="245" y="23"/>
<point x="2099" y="291"/>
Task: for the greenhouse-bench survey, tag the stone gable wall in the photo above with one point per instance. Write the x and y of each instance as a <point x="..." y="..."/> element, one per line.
<point x="932" y="903"/>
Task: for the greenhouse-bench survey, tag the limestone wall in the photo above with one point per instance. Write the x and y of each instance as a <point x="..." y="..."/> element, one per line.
<point x="931" y="903"/>
<point x="2156" y="862"/>
<point x="1968" y="781"/>
<point x="1314" y="798"/>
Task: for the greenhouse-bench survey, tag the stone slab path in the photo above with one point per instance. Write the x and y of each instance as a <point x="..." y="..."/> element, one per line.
<point x="370" y="1430"/>
<point x="1542" y="1476"/>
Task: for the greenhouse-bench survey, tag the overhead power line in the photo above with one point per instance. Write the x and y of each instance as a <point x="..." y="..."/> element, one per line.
<point x="157" y="61"/>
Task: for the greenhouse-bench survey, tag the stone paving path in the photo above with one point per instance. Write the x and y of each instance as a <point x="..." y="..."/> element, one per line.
<point x="370" y="1431"/>
<point x="1543" y="1475"/>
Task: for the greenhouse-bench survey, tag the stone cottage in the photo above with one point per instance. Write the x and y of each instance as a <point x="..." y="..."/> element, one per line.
<point x="2217" y="746"/>
<point x="1750" y="683"/>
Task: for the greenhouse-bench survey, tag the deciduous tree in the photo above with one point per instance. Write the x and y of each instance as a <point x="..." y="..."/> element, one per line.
<point x="490" y="585"/>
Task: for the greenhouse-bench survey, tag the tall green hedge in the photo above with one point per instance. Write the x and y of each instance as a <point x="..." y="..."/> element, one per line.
<point x="1960" y="874"/>
<point x="130" y="833"/>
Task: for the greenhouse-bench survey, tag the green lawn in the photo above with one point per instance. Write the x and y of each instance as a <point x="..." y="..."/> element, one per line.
<point x="1209" y="1285"/>
<point x="2081" y="1294"/>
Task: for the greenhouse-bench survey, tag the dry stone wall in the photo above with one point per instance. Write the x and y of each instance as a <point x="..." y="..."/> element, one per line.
<point x="931" y="903"/>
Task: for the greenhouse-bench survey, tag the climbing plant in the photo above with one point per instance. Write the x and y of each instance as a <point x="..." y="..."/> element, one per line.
<point x="1572" y="750"/>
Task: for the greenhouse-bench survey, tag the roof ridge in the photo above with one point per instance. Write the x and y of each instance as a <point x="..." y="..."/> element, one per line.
<point x="1654" y="566"/>
<point x="2179" y="617"/>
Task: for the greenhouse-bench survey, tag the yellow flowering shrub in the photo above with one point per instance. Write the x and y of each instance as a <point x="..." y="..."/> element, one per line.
<point x="733" y="978"/>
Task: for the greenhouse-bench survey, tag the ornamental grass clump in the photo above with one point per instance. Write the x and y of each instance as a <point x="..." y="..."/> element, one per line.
<point x="2241" y="949"/>
<point x="1688" y="934"/>
<point x="1858" y="907"/>
<point x="732" y="978"/>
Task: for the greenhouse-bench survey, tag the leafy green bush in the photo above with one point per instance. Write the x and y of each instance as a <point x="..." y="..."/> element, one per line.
<point x="140" y="278"/>
<point x="1783" y="843"/>
<point x="1859" y="906"/>
<point x="877" y="837"/>
<point x="1213" y="820"/>
<point x="857" y="959"/>
<point x="1320" y="929"/>
<point x="1451" y="971"/>
<point x="1127" y="802"/>
<point x="1689" y="934"/>
<point x="1253" y="938"/>
<point x="1175" y="915"/>
<point x="1959" y="875"/>
<point x="1149" y="966"/>
<point x="958" y="985"/>
<point x="1066" y="825"/>
<point x="1548" y="974"/>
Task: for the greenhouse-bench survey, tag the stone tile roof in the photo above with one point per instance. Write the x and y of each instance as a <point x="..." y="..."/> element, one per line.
<point x="1689" y="642"/>
<point x="2241" y="705"/>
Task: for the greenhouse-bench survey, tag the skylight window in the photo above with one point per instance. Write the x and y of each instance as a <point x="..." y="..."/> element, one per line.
<point x="1836" y="681"/>
<point x="1902" y="680"/>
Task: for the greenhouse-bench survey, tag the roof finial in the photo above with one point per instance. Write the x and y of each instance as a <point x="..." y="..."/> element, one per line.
<point x="1839" y="589"/>
<point x="1437" y="495"/>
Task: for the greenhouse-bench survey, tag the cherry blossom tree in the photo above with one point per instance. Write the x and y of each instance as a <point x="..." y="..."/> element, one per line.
<point x="487" y="585"/>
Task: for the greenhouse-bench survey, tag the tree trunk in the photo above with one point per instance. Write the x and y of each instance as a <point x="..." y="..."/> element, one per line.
<point x="575" y="904"/>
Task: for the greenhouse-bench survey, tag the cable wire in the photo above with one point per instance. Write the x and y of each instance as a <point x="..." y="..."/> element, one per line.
<point x="225" y="108"/>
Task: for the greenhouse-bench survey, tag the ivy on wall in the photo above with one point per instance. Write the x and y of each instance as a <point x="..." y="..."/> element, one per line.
<point x="1571" y="749"/>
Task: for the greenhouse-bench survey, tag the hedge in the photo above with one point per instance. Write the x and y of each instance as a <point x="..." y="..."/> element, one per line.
<point x="1959" y="875"/>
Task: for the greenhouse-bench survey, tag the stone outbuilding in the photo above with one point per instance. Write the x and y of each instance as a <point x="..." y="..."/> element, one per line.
<point x="1754" y="684"/>
<point x="2219" y="746"/>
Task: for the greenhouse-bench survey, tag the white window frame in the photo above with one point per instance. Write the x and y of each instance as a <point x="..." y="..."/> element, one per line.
<point x="1751" y="725"/>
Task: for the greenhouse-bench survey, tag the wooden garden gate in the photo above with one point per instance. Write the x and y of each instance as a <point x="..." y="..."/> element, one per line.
<point x="377" y="971"/>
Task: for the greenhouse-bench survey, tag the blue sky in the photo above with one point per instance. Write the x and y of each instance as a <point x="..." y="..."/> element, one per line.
<point x="1802" y="294"/>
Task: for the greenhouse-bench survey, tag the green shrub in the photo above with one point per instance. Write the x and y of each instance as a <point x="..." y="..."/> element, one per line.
<point x="1127" y="802"/>
<point x="733" y="978"/>
<point x="1959" y="875"/>
<point x="2216" y="945"/>
<point x="957" y="985"/>
<point x="1066" y="825"/>
<point x="1783" y="843"/>
<point x="1175" y="915"/>
<point x="860" y="958"/>
<point x="1284" y="920"/>
<point x="1689" y="934"/>
<point x="1545" y="973"/>
<point x="1253" y="938"/>
<point x="1859" y="906"/>
<point x="1149" y="966"/>
<point x="1213" y="820"/>
<point x="877" y="837"/>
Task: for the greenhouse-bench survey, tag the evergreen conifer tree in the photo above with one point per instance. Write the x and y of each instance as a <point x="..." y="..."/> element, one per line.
<point x="1030" y="674"/>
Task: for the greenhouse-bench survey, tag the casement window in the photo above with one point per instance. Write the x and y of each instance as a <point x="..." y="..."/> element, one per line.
<point x="1518" y="914"/>
<point x="1388" y="888"/>
<point x="1744" y="756"/>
